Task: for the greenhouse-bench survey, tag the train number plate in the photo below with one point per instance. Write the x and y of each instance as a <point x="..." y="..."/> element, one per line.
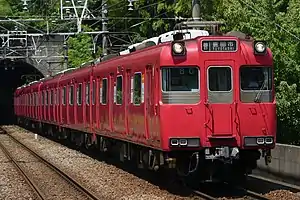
<point x="219" y="45"/>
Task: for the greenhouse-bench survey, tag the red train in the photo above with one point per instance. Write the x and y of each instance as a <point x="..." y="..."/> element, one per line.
<point x="203" y="104"/>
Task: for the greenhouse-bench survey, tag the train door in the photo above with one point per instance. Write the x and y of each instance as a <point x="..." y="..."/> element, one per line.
<point x="136" y="108"/>
<point x="79" y="108"/>
<point x="111" y="100"/>
<point x="51" y="105"/>
<point x="149" y="114"/>
<point x="219" y="99"/>
<point x="127" y="99"/>
<point x="71" y="104"/>
<point x="64" y="104"/>
<point x="105" y="99"/>
<point x="87" y="104"/>
<point x="93" y="106"/>
<point x="119" y="107"/>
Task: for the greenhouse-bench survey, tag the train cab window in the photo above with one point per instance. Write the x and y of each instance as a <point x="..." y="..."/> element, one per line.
<point x="103" y="92"/>
<point x="219" y="79"/>
<point x="79" y="94"/>
<point x="64" y="96"/>
<point x="87" y="93"/>
<point x="220" y="84"/>
<point x="180" y="85"/>
<point x="137" y="88"/>
<point x="256" y="84"/>
<point x="71" y="95"/>
<point x="119" y="90"/>
<point x="256" y="78"/>
<point x="94" y="92"/>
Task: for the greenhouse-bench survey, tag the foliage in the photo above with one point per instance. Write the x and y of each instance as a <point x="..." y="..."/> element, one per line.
<point x="277" y="22"/>
<point x="80" y="49"/>
<point x="288" y="103"/>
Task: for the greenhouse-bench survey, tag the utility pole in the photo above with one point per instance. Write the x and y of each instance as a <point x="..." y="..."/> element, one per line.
<point x="196" y="10"/>
<point x="104" y="27"/>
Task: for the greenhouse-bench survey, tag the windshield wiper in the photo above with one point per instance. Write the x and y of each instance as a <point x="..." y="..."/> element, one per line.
<point x="258" y="95"/>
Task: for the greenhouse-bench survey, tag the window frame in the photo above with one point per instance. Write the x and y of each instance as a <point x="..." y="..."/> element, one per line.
<point x="192" y="66"/>
<point x="64" y="96"/>
<point x="94" y="89"/>
<point x="101" y="92"/>
<point x="117" y="90"/>
<point x="71" y="97"/>
<point x="79" y="88"/>
<point x="133" y="102"/>
<point x="256" y="66"/>
<point x="87" y="93"/>
<point x="231" y="76"/>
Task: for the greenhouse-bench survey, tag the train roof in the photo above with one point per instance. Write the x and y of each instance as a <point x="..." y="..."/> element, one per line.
<point x="163" y="38"/>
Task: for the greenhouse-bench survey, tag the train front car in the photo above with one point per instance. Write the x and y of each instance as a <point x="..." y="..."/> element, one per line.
<point x="217" y="105"/>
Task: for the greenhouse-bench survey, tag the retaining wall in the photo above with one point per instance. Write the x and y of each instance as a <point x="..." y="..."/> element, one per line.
<point x="285" y="162"/>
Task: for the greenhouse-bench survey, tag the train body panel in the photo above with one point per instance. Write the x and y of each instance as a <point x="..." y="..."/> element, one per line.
<point x="194" y="95"/>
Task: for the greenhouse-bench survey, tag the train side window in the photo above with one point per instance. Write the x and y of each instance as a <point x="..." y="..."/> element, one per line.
<point x="87" y="93"/>
<point x="57" y="96"/>
<point x="34" y="99"/>
<point x="71" y="95"/>
<point x="63" y="95"/>
<point x="219" y="79"/>
<point x="79" y="94"/>
<point x="103" y="92"/>
<point x="43" y="98"/>
<point x="54" y="97"/>
<point x="46" y="97"/>
<point x="119" y="90"/>
<point x="137" y="88"/>
<point x="51" y="96"/>
<point x="94" y="92"/>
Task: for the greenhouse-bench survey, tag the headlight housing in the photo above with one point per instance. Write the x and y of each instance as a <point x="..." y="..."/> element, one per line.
<point x="178" y="48"/>
<point x="260" y="47"/>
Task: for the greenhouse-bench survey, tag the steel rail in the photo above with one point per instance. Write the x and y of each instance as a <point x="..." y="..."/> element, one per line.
<point x="204" y="196"/>
<point x="64" y="175"/>
<point x="30" y="182"/>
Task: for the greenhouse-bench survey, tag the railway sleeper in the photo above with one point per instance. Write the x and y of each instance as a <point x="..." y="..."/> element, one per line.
<point x="208" y="164"/>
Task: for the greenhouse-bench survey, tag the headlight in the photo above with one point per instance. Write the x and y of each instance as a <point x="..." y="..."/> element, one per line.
<point x="178" y="48"/>
<point x="260" y="47"/>
<point x="260" y="141"/>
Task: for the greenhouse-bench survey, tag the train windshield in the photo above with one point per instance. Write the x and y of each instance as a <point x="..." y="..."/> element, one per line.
<point x="256" y="78"/>
<point x="180" y="85"/>
<point x="256" y="84"/>
<point x="180" y="79"/>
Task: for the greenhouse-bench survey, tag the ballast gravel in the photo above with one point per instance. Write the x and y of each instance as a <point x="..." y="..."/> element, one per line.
<point x="49" y="182"/>
<point x="106" y="180"/>
<point x="12" y="185"/>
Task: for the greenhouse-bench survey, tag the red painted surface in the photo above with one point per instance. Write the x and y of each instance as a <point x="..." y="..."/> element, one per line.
<point x="152" y="123"/>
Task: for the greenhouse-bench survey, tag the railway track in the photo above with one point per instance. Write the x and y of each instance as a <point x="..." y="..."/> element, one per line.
<point x="247" y="193"/>
<point x="225" y="190"/>
<point x="35" y="185"/>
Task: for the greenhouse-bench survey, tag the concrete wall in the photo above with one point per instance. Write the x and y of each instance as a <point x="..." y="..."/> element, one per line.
<point x="285" y="162"/>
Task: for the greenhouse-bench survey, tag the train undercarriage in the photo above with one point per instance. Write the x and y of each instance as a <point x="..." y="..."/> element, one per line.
<point x="210" y="164"/>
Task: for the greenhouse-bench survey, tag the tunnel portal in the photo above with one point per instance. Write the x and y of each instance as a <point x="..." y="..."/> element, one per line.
<point x="13" y="75"/>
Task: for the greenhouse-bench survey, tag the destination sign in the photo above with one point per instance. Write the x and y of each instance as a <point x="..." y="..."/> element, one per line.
<point x="219" y="45"/>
